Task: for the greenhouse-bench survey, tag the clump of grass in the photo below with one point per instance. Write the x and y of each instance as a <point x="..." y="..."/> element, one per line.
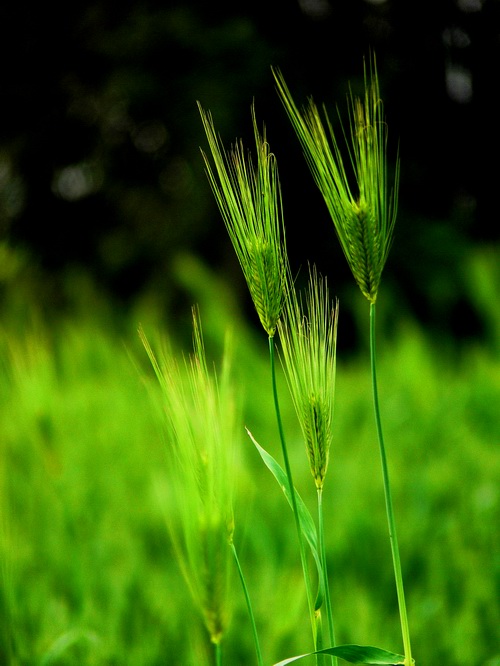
<point x="200" y="418"/>
<point x="80" y="521"/>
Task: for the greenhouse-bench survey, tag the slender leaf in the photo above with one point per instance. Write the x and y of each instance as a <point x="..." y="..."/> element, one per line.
<point x="306" y="522"/>
<point x="65" y="642"/>
<point x="354" y="654"/>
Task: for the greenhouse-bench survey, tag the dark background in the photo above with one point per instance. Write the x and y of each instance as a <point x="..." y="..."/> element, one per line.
<point x="100" y="170"/>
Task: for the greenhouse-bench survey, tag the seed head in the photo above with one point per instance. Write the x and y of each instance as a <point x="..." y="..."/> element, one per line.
<point x="249" y="198"/>
<point x="308" y="336"/>
<point x="200" y="429"/>
<point x="362" y="208"/>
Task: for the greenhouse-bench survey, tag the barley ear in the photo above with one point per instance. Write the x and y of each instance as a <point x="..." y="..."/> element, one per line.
<point x="308" y="336"/>
<point x="200" y="432"/>
<point x="356" y="192"/>
<point x="249" y="198"/>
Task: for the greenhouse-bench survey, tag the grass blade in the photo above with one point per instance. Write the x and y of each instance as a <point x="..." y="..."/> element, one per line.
<point x="306" y="521"/>
<point x="354" y="654"/>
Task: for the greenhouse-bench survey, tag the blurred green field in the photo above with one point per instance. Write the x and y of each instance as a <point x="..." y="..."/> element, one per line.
<point x="87" y="571"/>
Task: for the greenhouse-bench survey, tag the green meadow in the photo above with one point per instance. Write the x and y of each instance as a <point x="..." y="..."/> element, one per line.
<point x="87" y="570"/>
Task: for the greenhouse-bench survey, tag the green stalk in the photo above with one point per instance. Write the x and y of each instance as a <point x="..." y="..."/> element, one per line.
<point x="388" y="499"/>
<point x="218" y="653"/>
<point x="249" y="607"/>
<point x="288" y="470"/>
<point x="324" y="569"/>
<point x="320" y="659"/>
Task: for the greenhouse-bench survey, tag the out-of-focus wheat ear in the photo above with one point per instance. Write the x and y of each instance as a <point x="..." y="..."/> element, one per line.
<point x="200" y="432"/>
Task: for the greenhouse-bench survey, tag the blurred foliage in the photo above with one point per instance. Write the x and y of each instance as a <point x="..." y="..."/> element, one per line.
<point x="100" y="172"/>
<point x="87" y="574"/>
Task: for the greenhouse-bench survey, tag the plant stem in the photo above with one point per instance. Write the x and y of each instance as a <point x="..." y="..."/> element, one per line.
<point x="320" y="658"/>
<point x="324" y="569"/>
<point x="218" y="653"/>
<point x="388" y="499"/>
<point x="249" y="607"/>
<point x="288" y="470"/>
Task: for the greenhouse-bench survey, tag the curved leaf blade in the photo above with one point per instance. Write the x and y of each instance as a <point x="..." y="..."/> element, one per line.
<point x="306" y="522"/>
<point x="355" y="654"/>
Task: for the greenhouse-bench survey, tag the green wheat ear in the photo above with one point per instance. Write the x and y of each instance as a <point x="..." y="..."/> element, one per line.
<point x="308" y="336"/>
<point x="363" y="212"/>
<point x="200" y="429"/>
<point x="249" y="199"/>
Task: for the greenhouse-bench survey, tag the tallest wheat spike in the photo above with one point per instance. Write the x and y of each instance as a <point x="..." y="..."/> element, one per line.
<point x="363" y="208"/>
